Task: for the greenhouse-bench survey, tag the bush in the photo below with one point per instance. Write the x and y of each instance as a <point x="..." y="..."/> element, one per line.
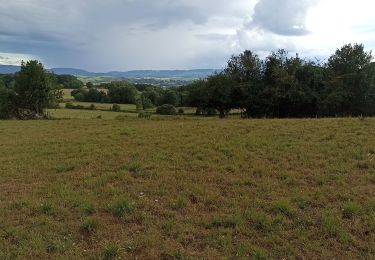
<point x="144" y="115"/>
<point x="181" y="111"/>
<point x="203" y="111"/>
<point x="166" y="110"/>
<point x="92" y="107"/>
<point x="70" y="105"/>
<point x="116" y="108"/>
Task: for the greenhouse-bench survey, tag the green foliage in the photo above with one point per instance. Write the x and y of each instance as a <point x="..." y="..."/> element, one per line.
<point x="181" y="111"/>
<point x="144" y="115"/>
<point x="169" y="97"/>
<point x="7" y="109"/>
<point x="70" y="105"/>
<point x="283" y="86"/>
<point x="206" y="111"/>
<point x="33" y="85"/>
<point x="122" y="93"/>
<point x="116" y="108"/>
<point x="91" y="95"/>
<point x="29" y="92"/>
<point x="69" y="82"/>
<point x="166" y="110"/>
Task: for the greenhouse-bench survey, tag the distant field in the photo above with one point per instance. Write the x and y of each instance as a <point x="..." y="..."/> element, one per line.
<point x="186" y="188"/>
<point x="104" y="106"/>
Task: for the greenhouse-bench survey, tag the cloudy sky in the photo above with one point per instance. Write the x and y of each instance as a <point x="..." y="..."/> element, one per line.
<point x="110" y="35"/>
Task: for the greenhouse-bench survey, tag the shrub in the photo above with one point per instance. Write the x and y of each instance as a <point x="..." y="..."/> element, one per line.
<point x="166" y="110"/>
<point x="70" y="105"/>
<point x="203" y="111"/>
<point x="181" y="111"/>
<point x="92" y="107"/>
<point x="144" y="115"/>
<point x="116" y="108"/>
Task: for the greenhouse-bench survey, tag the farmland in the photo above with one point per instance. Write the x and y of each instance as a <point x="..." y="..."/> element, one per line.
<point x="80" y="186"/>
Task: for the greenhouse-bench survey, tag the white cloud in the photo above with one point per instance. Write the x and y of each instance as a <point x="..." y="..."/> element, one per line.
<point x="147" y="34"/>
<point x="15" y="58"/>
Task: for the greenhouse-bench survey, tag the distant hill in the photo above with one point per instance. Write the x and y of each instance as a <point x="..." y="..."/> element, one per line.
<point x="187" y="74"/>
<point x="6" y="69"/>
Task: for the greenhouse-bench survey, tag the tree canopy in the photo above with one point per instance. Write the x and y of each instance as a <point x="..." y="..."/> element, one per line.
<point x="287" y="86"/>
<point x="34" y="89"/>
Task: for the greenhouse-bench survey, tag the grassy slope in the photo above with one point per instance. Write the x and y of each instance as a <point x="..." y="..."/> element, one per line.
<point x="187" y="188"/>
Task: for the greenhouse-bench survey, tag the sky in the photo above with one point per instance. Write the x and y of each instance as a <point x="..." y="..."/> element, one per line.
<point x="122" y="35"/>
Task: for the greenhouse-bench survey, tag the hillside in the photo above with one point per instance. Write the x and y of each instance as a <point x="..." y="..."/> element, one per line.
<point x="183" y="74"/>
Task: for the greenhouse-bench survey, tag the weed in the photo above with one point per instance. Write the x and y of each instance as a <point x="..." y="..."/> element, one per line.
<point x="45" y="208"/>
<point x="282" y="206"/>
<point x="350" y="210"/>
<point x="89" y="226"/>
<point x="61" y="168"/>
<point x="302" y="202"/>
<point x="120" y="207"/>
<point x="111" y="251"/>
<point x="133" y="168"/>
<point x="331" y="224"/>
<point x="87" y="209"/>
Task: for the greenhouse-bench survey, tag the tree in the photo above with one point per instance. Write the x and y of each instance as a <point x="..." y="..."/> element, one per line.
<point x="349" y="83"/>
<point x="89" y="85"/>
<point x="246" y="70"/>
<point x="170" y="97"/>
<point x="166" y="109"/>
<point x="7" y="109"/>
<point x="122" y="93"/>
<point x="34" y="88"/>
<point x="69" y="82"/>
<point x="220" y="93"/>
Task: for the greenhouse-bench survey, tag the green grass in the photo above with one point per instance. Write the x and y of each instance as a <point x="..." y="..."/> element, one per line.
<point x="186" y="188"/>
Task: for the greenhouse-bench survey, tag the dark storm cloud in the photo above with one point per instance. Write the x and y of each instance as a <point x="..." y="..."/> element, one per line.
<point x="285" y="17"/>
<point x="103" y="35"/>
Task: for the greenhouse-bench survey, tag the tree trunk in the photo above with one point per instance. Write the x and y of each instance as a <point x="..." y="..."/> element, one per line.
<point x="222" y="113"/>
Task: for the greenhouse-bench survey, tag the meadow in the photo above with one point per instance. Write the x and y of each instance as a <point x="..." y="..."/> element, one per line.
<point x="186" y="188"/>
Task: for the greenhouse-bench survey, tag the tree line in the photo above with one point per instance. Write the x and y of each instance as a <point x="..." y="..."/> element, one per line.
<point x="277" y="86"/>
<point x="282" y="86"/>
<point x="122" y="92"/>
<point x="62" y="81"/>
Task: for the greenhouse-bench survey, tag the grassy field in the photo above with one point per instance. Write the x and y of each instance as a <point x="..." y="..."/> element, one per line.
<point x="186" y="188"/>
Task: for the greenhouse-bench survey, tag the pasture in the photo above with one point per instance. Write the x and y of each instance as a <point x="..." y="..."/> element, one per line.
<point x="186" y="188"/>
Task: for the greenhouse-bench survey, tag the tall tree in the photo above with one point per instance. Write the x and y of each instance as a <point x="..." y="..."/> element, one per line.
<point x="33" y="87"/>
<point x="349" y="73"/>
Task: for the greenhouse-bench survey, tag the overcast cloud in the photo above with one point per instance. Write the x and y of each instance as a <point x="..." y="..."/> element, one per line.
<point x="175" y="34"/>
